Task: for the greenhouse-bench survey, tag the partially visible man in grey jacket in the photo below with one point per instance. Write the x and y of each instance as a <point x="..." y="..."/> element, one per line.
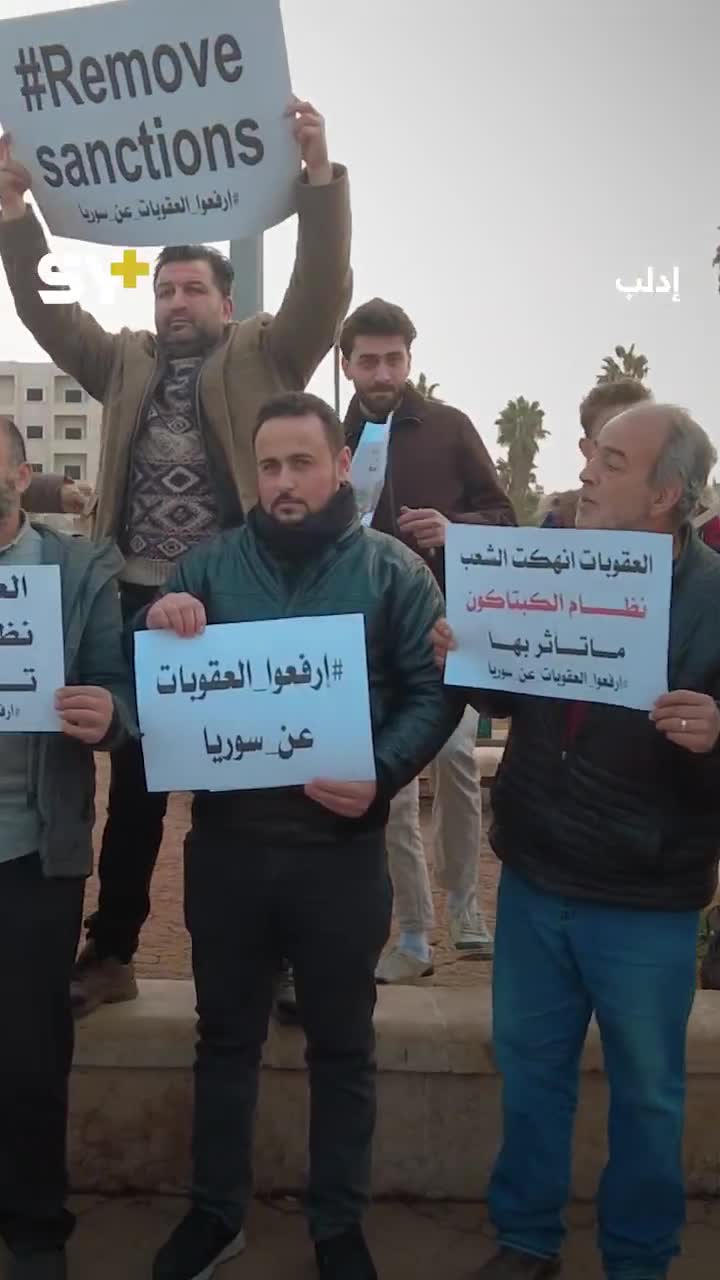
<point x="47" y="789"/>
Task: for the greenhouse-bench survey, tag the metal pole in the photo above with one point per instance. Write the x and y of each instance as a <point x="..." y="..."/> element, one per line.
<point x="247" y="260"/>
<point x="336" y="360"/>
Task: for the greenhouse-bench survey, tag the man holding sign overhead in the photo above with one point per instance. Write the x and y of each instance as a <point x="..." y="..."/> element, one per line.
<point x="177" y="463"/>
<point x="296" y="873"/>
<point x="56" y="593"/>
<point x="607" y="821"/>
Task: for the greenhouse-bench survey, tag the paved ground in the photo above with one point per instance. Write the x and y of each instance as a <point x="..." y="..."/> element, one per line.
<point x="116" y="1239"/>
<point x="164" y="950"/>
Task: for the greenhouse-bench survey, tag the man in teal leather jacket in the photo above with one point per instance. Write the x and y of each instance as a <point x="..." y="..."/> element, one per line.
<point x="299" y="873"/>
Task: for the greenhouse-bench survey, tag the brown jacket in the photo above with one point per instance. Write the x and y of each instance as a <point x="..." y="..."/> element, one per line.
<point x="256" y="359"/>
<point x="436" y="459"/>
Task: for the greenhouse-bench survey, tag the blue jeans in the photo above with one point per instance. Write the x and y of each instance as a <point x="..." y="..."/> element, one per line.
<point x="557" y="962"/>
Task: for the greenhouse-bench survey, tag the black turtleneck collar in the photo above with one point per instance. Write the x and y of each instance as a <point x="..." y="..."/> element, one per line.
<point x="309" y="537"/>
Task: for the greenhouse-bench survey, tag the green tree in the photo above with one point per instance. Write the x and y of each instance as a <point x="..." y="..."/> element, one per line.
<point x="520" y="431"/>
<point x="425" y="389"/>
<point x="627" y="365"/>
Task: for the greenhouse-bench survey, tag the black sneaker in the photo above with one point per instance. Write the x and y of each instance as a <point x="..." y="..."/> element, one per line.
<point x="199" y="1244"/>
<point x="345" y="1257"/>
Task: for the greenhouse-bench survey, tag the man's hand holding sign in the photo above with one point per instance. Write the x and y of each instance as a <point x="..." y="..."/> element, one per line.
<point x="309" y="131"/>
<point x="86" y="713"/>
<point x="690" y="720"/>
<point x="185" y="615"/>
<point x="15" y="182"/>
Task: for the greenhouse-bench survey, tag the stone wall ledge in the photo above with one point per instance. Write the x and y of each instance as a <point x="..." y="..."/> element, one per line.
<point x="439" y="1099"/>
<point x="427" y="1029"/>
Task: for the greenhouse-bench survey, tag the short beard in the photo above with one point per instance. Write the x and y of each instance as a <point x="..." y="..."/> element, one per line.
<point x="198" y="345"/>
<point x="303" y="515"/>
<point x="384" y="413"/>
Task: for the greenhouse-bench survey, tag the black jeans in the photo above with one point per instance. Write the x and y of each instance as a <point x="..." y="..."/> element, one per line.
<point x="40" y="922"/>
<point x="132" y="837"/>
<point x="327" y="910"/>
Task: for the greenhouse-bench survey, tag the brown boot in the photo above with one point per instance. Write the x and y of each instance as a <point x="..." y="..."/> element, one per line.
<point x="510" y="1264"/>
<point x="96" y="981"/>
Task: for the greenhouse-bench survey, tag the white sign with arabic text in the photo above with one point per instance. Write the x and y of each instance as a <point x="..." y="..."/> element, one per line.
<point x="153" y="123"/>
<point x="31" y="648"/>
<point x="560" y="613"/>
<point x="255" y="704"/>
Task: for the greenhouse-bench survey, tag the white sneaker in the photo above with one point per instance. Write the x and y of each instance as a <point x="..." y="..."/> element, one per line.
<point x="398" y="966"/>
<point x="470" y="936"/>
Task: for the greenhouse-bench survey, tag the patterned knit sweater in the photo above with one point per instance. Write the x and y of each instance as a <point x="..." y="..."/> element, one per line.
<point x="171" y="504"/>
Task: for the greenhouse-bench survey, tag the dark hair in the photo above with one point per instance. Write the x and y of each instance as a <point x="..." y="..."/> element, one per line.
<point x="300" y="404"/>
<point x="611" y="395"/>
<point x="376" y="319"/>
<point x="221" y="267"/>
<point x="16" y="444"/>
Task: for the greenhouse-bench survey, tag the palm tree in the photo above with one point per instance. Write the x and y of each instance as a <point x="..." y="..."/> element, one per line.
<point x="504" y="474"/>
<point x="425" y="389"/>
<point x="627" y="365"/>
<point x="520" y="430"/>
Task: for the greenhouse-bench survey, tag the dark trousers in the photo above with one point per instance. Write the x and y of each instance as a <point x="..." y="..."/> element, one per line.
<point x="327" y="910"/>
<point x="132" y="837"/>
<point x="40" y="922"/>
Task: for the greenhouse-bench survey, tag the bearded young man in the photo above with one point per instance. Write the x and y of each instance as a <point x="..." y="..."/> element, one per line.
<point x="438" y="472"/>
<point x="299" y="873"/>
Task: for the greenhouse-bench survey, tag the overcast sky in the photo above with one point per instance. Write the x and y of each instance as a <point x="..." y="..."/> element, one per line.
<point x="509" y="160"/>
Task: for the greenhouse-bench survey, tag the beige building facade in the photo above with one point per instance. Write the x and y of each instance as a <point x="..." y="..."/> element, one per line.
<point x="59" y="421"/>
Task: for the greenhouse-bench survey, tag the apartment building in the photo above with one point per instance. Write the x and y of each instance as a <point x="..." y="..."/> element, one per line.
<point x="58" y="419"/>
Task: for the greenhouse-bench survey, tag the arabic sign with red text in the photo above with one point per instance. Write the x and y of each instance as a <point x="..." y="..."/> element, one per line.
<point x="560" y="613"/>
<point x="134" y="136"/>
<point x="31" y="648"/>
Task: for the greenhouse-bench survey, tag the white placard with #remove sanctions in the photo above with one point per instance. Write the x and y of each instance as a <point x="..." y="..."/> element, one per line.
<point x="155" y="122"/>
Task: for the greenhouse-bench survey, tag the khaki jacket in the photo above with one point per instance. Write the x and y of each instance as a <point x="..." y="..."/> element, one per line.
<point x="256" y="359"/>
